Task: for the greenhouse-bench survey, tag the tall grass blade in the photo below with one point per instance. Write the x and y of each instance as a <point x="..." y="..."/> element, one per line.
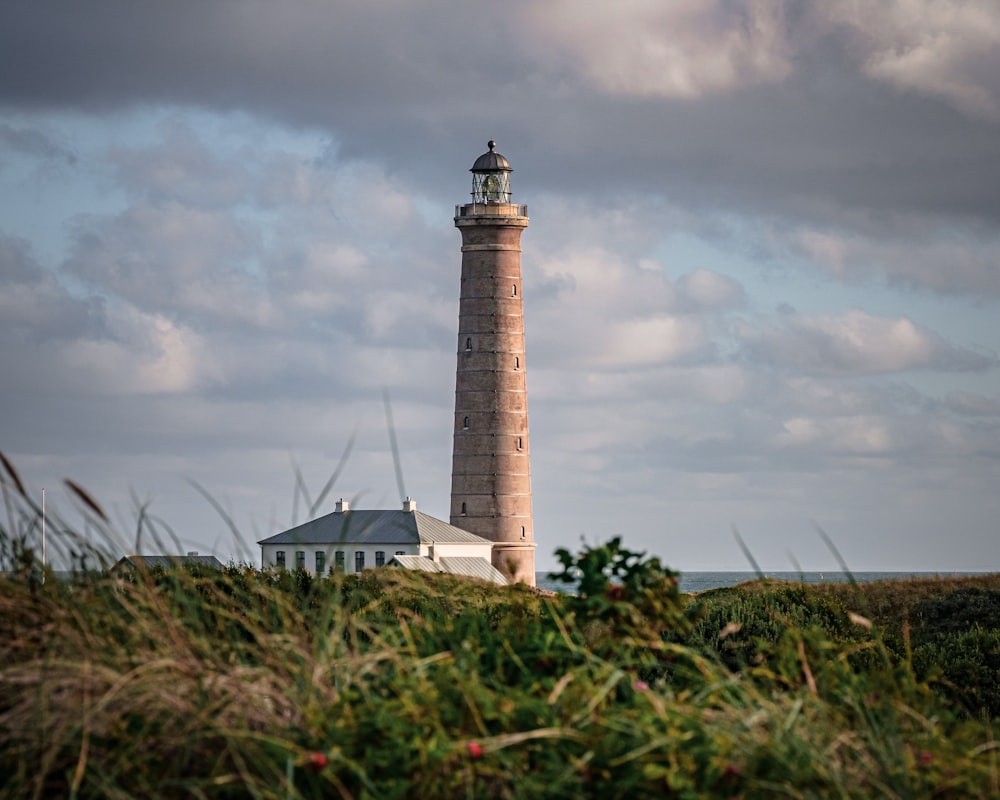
<point x="87" y="500"/>
<point x="747" y="553"/>
<point x="314" y="508"/>
<point x="396" y="461"/>
<point x="13" y="475"/>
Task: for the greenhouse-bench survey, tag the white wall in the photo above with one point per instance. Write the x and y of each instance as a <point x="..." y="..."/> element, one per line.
<point x="269" y="554"/>
<point x="455" y="550"/>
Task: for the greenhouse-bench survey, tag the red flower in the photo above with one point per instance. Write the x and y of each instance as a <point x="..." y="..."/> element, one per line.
<point x="316" y="761"/>
<point x="926" y="758"/>
<point x="475" y="749"/>
<point x="615" y="593"/>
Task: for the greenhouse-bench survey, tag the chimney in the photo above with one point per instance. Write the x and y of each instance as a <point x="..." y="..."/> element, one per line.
<point x="342" y="506"/>
<point x="192" y="552"/>
<point x="409" y="505"/>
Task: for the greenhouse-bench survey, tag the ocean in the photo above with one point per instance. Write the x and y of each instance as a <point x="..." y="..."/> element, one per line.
<point x="701" y="581"/>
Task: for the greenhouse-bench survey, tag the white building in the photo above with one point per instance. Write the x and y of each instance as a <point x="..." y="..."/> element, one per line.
<point x="353" y="541"/>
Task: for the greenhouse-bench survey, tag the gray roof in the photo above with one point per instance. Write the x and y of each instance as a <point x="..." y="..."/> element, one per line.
<point x="375" y="527"/>
<point x="167" y="562"/>
<point x="467" y="566"/>
<point x="491" y="162"/>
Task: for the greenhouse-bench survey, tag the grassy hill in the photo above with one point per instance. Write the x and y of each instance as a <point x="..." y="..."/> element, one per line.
<point x="243" y="683"/>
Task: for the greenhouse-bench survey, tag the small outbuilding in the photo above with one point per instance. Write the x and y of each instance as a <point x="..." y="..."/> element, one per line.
<point x="138" y="562"/>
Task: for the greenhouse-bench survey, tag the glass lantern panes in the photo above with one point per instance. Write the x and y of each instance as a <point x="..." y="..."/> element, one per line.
<point x="491" y="187"/>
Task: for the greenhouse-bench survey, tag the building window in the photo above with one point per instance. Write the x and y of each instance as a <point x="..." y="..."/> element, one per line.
<point x="517" y="363"/>
<point x="468" y="343"/>
<point x="464" y="511"/>
<point x="520" y="444"/>
<point x="513" y="290"/>
<point x="359" y="561"/>
<point x="400" y="552"/>
<point x="380" y="558"/>
<point x="465" y="423"/>
<point x="320" y="562"/>
<point x="338" y="561"/>
<point x="300" y="559"/>
<point x="522" y="531"/>
<point x="279" y="559"/>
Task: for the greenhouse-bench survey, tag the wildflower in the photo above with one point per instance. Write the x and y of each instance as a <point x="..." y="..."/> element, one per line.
<point x="316" y="761"/>
<point x="475" y="749"/>
<point x="640" y="686"/>
<point x="615" y="593"/>
<point x="925" y="759"/>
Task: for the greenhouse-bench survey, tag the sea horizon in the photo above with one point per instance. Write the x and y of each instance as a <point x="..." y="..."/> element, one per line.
<point x="703" y="581"/>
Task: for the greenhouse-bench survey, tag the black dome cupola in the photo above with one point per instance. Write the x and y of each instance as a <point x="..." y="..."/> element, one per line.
<point x="491" y="177"/>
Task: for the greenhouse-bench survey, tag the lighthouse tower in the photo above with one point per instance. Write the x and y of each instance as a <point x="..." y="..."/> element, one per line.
<point x="491" y="472"/>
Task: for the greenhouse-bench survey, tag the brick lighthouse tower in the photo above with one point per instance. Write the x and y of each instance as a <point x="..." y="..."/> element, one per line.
<point x="491" y="472"/>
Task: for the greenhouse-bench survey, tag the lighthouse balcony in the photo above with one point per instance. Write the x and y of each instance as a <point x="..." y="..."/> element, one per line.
<point x="491" y="210"/>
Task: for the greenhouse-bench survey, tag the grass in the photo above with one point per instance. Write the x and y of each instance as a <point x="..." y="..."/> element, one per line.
<point x="391" y="684"/>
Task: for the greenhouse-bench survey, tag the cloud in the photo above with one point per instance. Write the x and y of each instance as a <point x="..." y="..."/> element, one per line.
<point x="683" y="49"/>
<point x="144" y="354"/>
<point x="704" y="290"/>
<point x="605" y="313"/>
<point x="33" y="143"/>
<point x="951" y="261"/>
<point x="172" y="258"/>
<point x="973" y="404"/>
<point x="750" y="107"/>
<point x="943" y="48"/>
<point x="853" y="343"/>
<point x="181" y="168"/>
<point x="35" y="307"/>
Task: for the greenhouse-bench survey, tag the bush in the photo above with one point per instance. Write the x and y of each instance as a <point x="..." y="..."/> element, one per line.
<point x="739" y="624"/>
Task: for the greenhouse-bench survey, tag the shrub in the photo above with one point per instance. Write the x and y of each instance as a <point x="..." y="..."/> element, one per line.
<point x="739" y="624"/>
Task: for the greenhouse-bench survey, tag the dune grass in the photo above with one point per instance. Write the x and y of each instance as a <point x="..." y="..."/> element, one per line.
<point x="389" y="684"/>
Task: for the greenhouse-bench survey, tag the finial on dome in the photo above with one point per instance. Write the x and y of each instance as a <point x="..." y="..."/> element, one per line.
<point x="492" y="145"/>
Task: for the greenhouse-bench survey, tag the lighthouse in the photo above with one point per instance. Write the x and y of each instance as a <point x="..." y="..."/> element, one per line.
<point x="491" y="466"/>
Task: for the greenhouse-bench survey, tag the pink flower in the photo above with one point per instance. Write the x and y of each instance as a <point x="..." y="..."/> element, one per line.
<point x="316" y="761"/>
<point x="640" y="686"/>
<point x="475" y="749"/>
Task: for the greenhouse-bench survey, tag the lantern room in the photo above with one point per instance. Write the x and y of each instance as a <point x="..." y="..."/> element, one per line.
<point x="491" y="178"/>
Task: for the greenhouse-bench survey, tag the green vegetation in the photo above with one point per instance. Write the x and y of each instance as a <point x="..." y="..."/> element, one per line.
<point x="390" y="684"/>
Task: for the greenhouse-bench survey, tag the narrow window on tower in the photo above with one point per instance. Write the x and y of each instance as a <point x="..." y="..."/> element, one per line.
<point x="464" y="510"/>
<point x="465" y="423"/>
<point x="522" y="531"/>
<point x="513" y="290"/>
<point x="520" y="444"/>
<point x="468" y="343"/>
<point x="517" y="363"/>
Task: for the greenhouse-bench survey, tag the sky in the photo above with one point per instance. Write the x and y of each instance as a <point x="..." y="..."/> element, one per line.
<point x="761" y="276"/>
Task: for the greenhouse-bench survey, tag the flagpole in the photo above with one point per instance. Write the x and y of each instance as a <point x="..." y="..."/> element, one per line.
<point x="43" y="536"/>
